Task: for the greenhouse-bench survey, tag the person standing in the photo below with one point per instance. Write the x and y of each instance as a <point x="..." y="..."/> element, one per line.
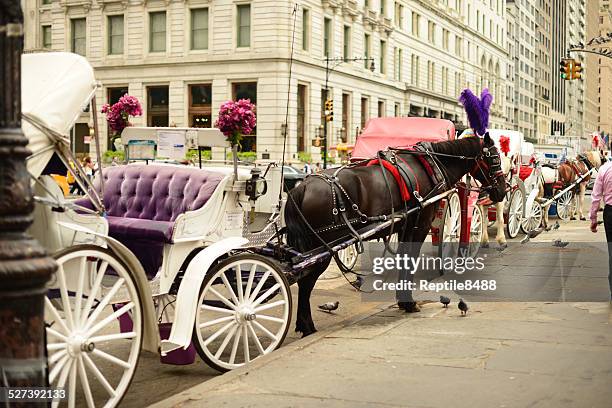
<point x="602" y="191"/>
<point x="307" y="168"/>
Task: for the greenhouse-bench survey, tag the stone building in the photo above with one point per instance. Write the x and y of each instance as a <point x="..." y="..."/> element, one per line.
<point x="182" y="59"/>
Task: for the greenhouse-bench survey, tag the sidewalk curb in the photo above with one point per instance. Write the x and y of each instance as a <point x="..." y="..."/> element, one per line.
<point x="198" y="392"/>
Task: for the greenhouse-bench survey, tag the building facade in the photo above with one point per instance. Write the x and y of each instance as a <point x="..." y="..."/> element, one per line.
<point x="544" y="74"/>
<point x="605" y="72"/>
<point x="558" y="52"/>
<point x="182" y="59"/>
<point x="575" y="95"/>
<point x="524" y="48"/>
<point x="591" y="70"/>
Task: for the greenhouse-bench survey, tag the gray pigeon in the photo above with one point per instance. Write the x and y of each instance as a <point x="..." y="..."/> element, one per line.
<point x="556" y="226"/>
<point x="445" y="300"/>
<point x="463" y="307"/>
<point x="560" y="244"/>
<point x="329" y="306"/>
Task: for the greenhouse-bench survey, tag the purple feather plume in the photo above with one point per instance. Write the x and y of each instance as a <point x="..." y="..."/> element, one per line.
<point x="477" y="109"/>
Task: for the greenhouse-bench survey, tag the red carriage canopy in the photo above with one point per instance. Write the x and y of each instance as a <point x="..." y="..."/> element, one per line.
<point x="381" y="133"/>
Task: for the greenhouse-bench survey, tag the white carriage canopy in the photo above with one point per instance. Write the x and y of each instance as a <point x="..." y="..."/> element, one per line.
<point x="55" y="89"/>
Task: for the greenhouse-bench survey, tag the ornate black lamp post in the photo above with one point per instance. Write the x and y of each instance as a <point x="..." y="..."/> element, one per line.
<point x="24" y="266"/>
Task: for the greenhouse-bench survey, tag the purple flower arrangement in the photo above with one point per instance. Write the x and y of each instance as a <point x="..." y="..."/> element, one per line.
<point x="118" y="115"/>
<point x="236" y="119"/>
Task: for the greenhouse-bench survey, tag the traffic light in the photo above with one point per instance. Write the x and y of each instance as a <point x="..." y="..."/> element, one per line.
<point x="576" y="72"/>
<point x="329" y="110"/>
<point x="565" y="68"/>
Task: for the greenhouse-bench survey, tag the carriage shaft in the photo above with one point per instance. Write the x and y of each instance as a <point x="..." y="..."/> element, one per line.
<point x="566" y="189"/>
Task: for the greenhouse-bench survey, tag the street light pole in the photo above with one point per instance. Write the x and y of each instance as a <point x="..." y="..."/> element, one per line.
<point x="24" y="266"/>
<point x="328" y="71"/>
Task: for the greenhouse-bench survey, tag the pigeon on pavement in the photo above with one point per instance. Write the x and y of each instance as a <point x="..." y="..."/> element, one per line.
<point x="445" y="300"/>
<point x="463" y="307"/>
<point x="560" y="244"/>
<point x="329" y="306"/>
<point x="556" y="226"/>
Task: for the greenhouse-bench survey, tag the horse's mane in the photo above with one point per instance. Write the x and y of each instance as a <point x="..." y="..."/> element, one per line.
<point x="469" y="146"/>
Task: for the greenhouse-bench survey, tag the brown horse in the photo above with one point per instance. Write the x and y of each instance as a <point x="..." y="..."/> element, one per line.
<point x="374" y="192"/>
<point x="571" y="170"/>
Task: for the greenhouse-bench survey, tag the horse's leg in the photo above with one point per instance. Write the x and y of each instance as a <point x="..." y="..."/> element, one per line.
<point x="484" y="243"/>
<point x="304" y="323"/>
<point x="501" y="236"/>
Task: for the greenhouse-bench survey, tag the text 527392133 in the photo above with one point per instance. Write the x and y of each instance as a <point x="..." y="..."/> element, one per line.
<point x="31" y="394"/>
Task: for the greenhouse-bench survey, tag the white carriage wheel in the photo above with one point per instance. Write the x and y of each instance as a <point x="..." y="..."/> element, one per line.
<point x="349" y="256"/>
<point x="515" y="213"/>
<point x="450" y="230"/>
<point x="235" y="309"/>
<point x="533" y="219"/>
<point x="476" y="230"/>
<point x="83" y="331"/>
<point x="565" y="205"/>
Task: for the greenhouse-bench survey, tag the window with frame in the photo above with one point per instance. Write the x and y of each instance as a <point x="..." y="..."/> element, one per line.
<point x="199" y="29"/>
<point x="458" y="46"/>
<point x="365" y="111"/>
<point x="383" y="7"/>
<point x="327" y="37"/>
<point x="381" y="109"/>
<point x="157" y="31"/>
<point x="243" y="25"/>
<point x="45" y="2"/>
<point x="115" y="34"/>
<point x="399" y="15"/>
<point x="346" y="51"/>
<point x="305" y="29"/>
<point x="158" y="106"/>
<point x="445" y="38"/>
<point x="416" y="24"/>
<point x="247" y="90"/>
<point x="415" y="70"/>
<point x="398" y="64"/>
<point x="431" y="32"/>
<point x="200" y="105"/>
<point x="45" y="35"/>
<point x="397" y="111"/>
<point x="78" y="36"/>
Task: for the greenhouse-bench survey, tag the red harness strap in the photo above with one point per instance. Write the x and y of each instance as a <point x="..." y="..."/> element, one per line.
<point x="396" y="175"/>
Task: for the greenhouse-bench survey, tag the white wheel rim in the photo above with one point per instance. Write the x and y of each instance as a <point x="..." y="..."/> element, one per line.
<point x="451" y="227"/>
<point x="245" y="316"/>
<point x="84" y="339"/>
<point x="515" y="213"/>
<point x="564" y="205"/>
<point x="533" y="219"/>
<point x="349" y="256"/>
<point x="475" y="230"/>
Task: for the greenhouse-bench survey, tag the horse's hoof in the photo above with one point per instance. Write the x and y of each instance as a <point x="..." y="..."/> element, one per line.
<point x="409" y="307"/>
<point x="502" y="246"/>
<point x="582" y="218"/>
<point x="308" y="333"/>
<point x="572" y="218"/>
<point x="485" y="245"/>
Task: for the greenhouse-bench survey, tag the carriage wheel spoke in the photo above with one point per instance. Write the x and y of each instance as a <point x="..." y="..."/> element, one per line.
<point x="238" y="273"/>
<point x="260" y="284"/>
<point x="229" y="287"/>
<point x="216" y="321"/>
<point x="93" y="292"/>
<point x="64" y="295"/>
<point x="111" y="337"/>
<point x="234" y="347"/>
<point x="226" y="341"/>
<point x="72" y="385"/>
<point x="58" y="367"/>
<point x="219" y="309"/>
<point x="64" y="375"/>
<point x="111" y="358"/>
<point x="79" y="293"/>
<point x="218" y="333"/>
<point x="257" y="342"/>
<point x="259" y="309"/>
<point x="223" y="298"/>
<point x="56" y="356"/>
<point x="249" y="286"/>
<point x="55" y="346"/>
<point x="57" y="318"/>
<point x="270" y="318"/>
<point x="103" y="303"/>
<point x="127" y="307"/>
<point x="85" y="383"/>
<point x="245" y="344"/>
<point x="56" y="334"/>
<point x="264" y="329"/>
<point x="266" y="294"/>
<point x="99" y="376"/>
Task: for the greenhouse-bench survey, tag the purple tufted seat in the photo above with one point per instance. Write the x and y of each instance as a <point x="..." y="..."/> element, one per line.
<point x="143" y="201"/>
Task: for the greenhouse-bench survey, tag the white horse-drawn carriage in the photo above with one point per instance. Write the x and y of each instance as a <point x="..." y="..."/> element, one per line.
<point x="152" y="249"/>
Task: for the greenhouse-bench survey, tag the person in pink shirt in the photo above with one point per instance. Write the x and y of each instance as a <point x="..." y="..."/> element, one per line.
<point x="602" y="190"/>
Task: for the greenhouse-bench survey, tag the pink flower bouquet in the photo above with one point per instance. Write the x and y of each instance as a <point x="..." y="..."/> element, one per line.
<point x="236" y="119"/>
<point x="118" y="115"/>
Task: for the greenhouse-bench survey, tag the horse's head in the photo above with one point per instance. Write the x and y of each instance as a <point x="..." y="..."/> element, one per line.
<point x="488" y="170"/>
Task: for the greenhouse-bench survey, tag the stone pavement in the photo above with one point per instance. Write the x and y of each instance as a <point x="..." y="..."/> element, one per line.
<point x="500" y="355"/>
